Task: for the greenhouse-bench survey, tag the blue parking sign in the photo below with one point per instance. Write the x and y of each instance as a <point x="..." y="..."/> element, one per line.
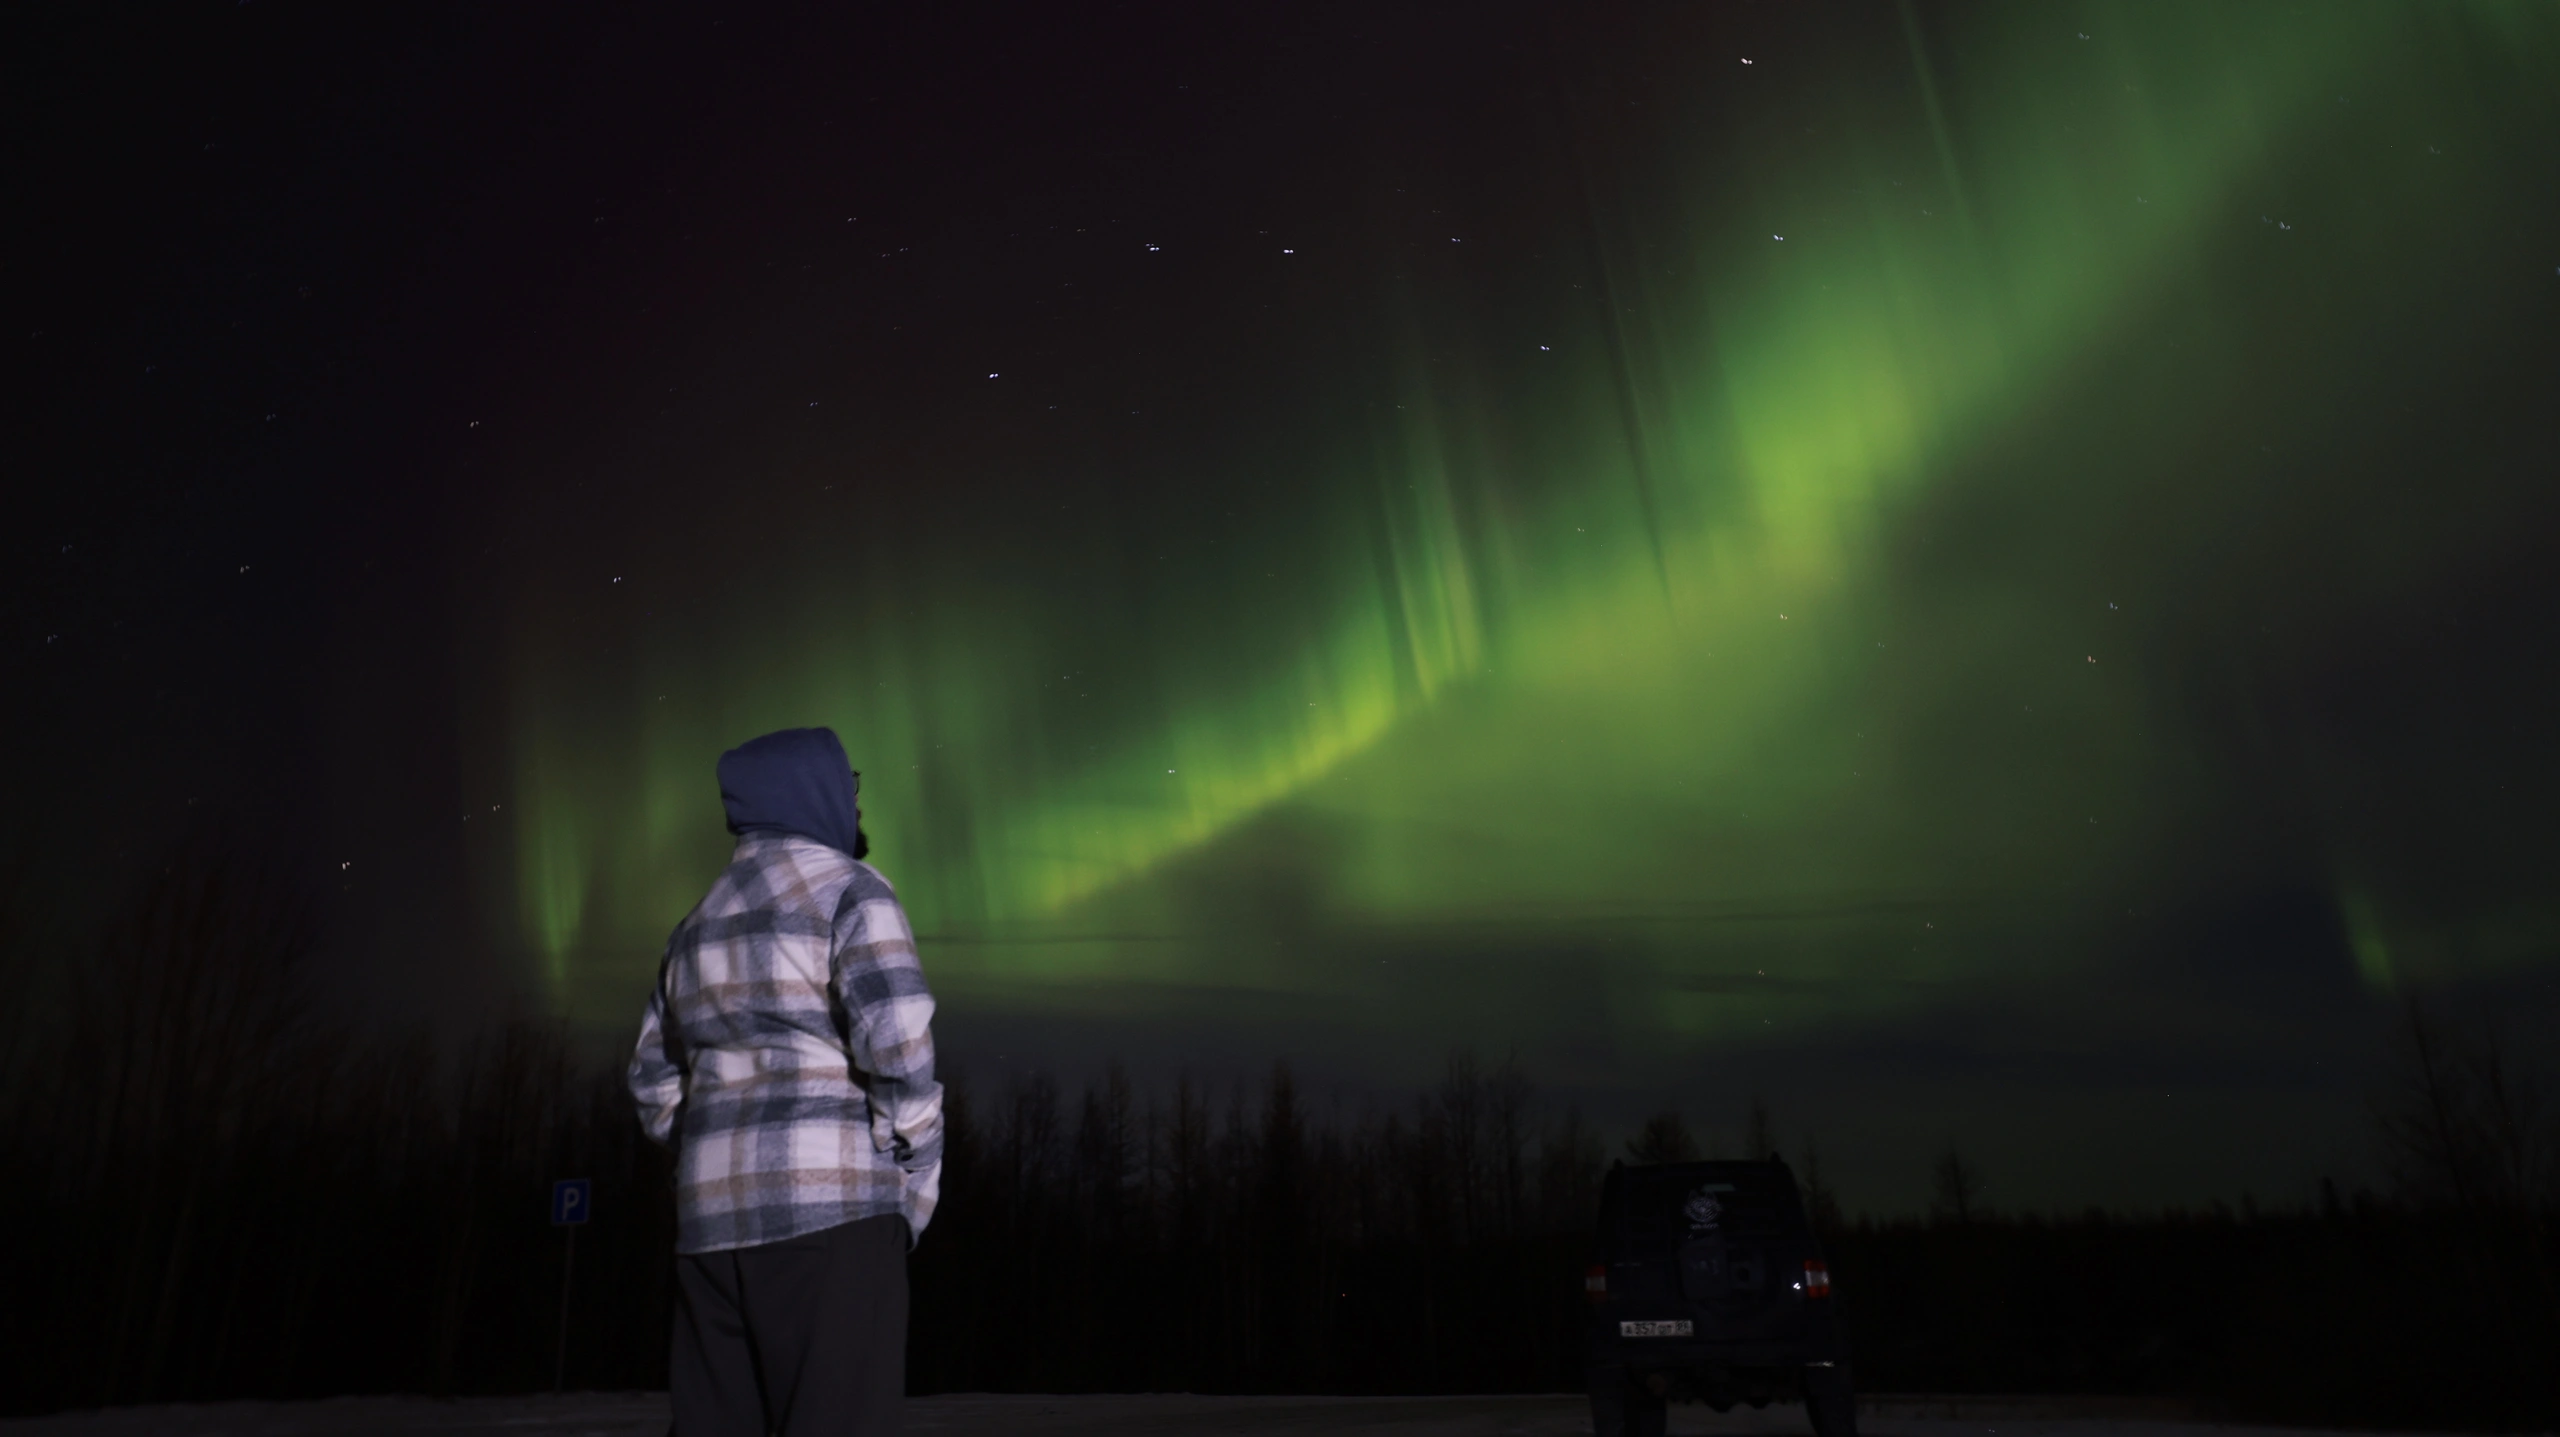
<point x="569" y="1201"/>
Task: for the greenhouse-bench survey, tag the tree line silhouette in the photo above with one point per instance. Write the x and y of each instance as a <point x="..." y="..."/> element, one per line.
<point x="217" y="1192"/>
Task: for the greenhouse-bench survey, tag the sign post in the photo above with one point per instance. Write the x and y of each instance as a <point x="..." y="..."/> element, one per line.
<point x="570" y="1199"/>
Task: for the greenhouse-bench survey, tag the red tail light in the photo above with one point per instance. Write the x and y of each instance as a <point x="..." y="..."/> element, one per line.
<point x="1595" y="1283"/>
<point x="1817" y="1279"/>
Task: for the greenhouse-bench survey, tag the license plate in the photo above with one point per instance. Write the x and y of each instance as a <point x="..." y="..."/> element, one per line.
<point x="1675" y="1327"/>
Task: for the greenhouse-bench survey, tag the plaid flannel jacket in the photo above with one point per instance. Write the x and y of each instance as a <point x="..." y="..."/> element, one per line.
<point x="788" y="1053"/>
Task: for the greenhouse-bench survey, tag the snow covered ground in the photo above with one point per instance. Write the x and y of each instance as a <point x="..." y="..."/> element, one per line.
<point x="644" y="1414"/>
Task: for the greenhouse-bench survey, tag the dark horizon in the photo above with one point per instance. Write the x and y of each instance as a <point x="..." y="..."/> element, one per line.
<point x="242" y="1204"/>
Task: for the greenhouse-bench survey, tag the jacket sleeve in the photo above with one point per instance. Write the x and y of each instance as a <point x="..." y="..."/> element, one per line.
<point x="656" y="1076"/>
<point x="889" y="1021"/>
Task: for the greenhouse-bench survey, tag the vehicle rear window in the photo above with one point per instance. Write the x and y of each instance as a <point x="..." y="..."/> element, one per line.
<point x="1655" y="1209"/>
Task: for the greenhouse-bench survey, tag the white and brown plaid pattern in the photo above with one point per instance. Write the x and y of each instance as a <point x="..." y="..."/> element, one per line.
<point x="788" y="1053"/>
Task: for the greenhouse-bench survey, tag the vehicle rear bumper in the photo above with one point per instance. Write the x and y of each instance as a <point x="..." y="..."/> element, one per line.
<point x="1693" y="1352"/>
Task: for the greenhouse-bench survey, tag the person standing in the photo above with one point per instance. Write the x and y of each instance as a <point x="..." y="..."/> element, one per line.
<point x="787" y="1056"/>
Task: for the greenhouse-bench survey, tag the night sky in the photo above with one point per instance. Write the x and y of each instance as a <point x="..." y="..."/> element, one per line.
<point x="1985" y="573"/>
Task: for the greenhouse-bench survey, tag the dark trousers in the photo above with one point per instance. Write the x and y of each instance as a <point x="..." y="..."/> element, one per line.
<point x="806" y="1337"/>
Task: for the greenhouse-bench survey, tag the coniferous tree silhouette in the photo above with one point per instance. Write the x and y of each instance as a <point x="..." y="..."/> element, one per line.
<point x="243" y="1198"/>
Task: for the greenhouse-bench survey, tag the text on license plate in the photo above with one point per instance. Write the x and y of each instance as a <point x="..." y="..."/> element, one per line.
<point x="1673" y="1327"/>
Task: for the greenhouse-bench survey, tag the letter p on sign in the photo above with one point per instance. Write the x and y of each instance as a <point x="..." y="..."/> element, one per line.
<point x="569" y="1201"/>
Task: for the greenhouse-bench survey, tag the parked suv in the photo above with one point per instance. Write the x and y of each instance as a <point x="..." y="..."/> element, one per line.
<point x="1710" y="1288"/>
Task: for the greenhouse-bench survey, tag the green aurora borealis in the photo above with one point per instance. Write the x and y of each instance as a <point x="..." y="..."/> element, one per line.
<point x="1735" y="556"/>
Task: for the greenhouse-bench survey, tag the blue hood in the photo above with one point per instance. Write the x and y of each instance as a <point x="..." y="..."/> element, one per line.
<point x="794" y="781"/>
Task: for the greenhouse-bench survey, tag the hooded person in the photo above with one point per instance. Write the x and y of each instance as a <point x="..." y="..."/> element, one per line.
<point x="787" y="1056"/>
